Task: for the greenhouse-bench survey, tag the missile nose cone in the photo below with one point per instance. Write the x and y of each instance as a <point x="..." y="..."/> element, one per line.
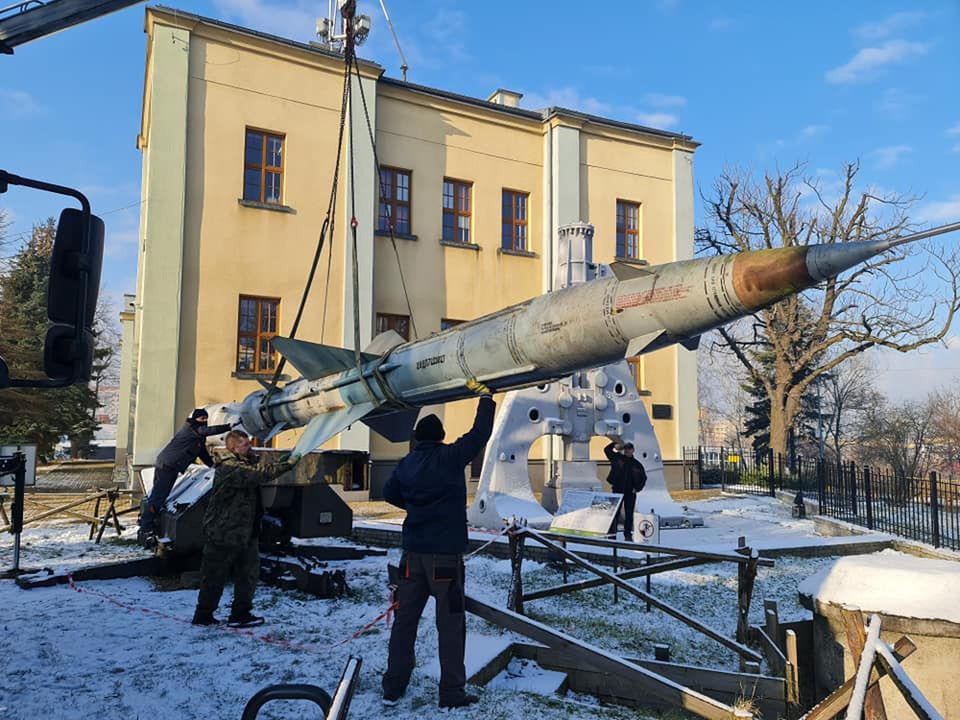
<point x="827" y="261"/>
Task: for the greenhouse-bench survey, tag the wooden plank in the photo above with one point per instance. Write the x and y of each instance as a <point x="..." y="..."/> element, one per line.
<point x="864" y="667"/>
<point x="683" y="552"/>
<point x="771" y="619"/>
<point x="873" y="708"/>
<point x="625" y="575"/>
<point x="835" y="702"/>
<point x="792" y="676"/>
<point x="911" y="693"/>
<point x="656" y="685"/>
<point x="775" y="657"/>
<point x="721" y="685"/>
<point x="54" y="511"/>
<point x="741" y="650"/>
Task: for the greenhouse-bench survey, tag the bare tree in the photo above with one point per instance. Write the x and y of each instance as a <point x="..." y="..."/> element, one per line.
<point x="946" y="428"/>
<point x="847" y="392"/>
<point x="722" y="397"/>
<point x="883" y="302"/>
<point x="898" y="435"/>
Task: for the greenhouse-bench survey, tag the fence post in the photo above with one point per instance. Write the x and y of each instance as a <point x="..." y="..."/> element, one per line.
<point x="935" y="509"/>
<point x="773" y="489"/>
<point x="853" y="488"/>
<point x="868" y="495"/>
<point x="821" y="484"/>
<point x="723" y="469"/>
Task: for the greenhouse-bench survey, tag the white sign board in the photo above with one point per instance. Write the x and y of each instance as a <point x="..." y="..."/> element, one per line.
<point x="31" y="471"/>
<point x="584" y="512"/>
<point x="646" y="529"/>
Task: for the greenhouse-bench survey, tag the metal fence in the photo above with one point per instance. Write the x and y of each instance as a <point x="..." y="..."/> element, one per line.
<point x="924" y="509"/>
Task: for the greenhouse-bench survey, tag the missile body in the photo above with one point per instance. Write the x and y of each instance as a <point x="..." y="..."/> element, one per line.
<point x="633" y="311"/>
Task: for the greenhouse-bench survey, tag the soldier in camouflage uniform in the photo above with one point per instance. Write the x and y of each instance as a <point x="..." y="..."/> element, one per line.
<point x="230" y="529"/>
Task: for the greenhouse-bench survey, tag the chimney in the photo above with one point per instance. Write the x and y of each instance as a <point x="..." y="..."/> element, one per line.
<point x="507" y="98"/>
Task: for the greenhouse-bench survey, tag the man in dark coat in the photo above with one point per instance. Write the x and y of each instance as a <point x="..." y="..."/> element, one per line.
<point x="189" y="443"/>
<point x="429" y="484"/>
<point x="230" y="531"/>
<point x="628" y="477"/>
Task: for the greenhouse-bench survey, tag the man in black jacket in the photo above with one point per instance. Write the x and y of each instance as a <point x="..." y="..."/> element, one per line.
<point x="189" y="443"/>
<point x="627" y="477"/>
<point x="429" y="484"/>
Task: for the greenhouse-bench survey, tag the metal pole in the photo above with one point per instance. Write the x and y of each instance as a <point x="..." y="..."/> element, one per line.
<point x="935" y="509"/>
<point x="820" y="420"/>
<point x="16" y="510"/>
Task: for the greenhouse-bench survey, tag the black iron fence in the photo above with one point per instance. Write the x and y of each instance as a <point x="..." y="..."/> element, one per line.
<point x="924" y="509"/>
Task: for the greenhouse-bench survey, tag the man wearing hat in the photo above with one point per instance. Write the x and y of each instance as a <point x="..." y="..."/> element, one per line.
<point x="189" y="443"/>
<point x="429" y="484"/>
<point x="628" y="477"/>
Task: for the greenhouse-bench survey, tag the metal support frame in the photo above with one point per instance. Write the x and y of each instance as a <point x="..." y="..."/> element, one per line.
<point x="32" y="19"/>
<point x="737" y="647"/>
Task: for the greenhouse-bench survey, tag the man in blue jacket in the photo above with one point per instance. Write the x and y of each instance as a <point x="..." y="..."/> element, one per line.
<point x="429" y="484"/>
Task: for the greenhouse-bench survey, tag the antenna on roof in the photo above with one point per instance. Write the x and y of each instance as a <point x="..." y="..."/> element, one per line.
<point x="396" y="40"/>
<point x="331" y="30"/>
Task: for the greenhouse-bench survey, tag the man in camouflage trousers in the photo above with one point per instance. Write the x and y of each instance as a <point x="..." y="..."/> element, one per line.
<point x="230" y="530"/>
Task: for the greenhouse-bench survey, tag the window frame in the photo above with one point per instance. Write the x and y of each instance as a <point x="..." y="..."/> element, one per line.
<point x="258" y="335"/>
<point x="263" y="168"/>
<point x="514" y="222"/>
<point x="393" y="203"/>
<point x="457" y="212"/>
<point x="388" y="317"/>
<point x="623" y="251"/>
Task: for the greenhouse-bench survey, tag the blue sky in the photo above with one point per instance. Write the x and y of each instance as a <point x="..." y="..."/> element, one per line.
<point x="760" y="84"/>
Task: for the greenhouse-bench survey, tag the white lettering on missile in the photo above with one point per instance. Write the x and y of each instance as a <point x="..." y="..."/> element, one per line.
<point x="431" y="361"/>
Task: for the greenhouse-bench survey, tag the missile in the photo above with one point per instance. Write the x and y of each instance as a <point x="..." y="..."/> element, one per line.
<point x="633" y="310"/>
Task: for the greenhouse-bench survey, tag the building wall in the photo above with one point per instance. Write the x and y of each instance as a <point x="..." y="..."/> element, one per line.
<point x="205" y="84"/>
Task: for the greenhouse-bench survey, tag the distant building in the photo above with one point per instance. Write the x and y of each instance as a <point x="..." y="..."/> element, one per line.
<point x="238" y="138"/>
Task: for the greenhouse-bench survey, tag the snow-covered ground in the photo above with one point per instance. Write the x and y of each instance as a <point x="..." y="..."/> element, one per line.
<point x="125" y="648"/>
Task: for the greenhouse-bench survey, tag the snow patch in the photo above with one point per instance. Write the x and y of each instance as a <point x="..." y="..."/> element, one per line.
<point x="890" y="583"/>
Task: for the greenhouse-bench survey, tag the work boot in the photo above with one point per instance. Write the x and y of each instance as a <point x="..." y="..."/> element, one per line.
<point x="391" y="700"/>
<point x="204" y="618"/>
<point x="464" y="701"/>
<point x="244" y="620"/>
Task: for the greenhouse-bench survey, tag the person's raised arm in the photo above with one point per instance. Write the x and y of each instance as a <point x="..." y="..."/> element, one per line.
<point x="610" y="452"/>
<point x="391" y="491"/>
<point x="467" y="446"/>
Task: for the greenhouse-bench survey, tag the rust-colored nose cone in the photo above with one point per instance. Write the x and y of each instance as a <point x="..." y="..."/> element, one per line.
<point x="761" y="277"/>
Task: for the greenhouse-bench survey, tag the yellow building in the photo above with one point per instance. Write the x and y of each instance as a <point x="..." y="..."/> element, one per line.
<point x="238" y="137"/>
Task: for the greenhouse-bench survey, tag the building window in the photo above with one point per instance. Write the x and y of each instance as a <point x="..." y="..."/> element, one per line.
<point x="456" y="210"/>
<point x="263" y="167"/>
<point x="256" y="327"/>
<point x="394" y="200"/>
<point x="628" y="229"/>
<point x="447" y="323"/>
<point x="513" y="235"/>
<point x="398" y="323"/>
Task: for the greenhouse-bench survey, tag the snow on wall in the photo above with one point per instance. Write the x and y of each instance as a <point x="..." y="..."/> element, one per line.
<point x="890" y="583"/>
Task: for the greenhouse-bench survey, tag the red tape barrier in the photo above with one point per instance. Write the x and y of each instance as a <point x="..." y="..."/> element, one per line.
<point x="270" y="639"/>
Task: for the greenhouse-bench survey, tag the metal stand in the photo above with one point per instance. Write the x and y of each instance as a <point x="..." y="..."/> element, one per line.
<point x="16" y="465"/>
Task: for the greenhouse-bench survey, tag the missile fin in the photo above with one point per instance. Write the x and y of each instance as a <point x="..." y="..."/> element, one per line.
<point x="384" y="343"/>
<point x="638" y="344"/>
<point x="395" y="426"/>
<point x="325" y="426"/>
<point x="314" y="360"/>
<point x="276" y="430"/>
<point x="628" y="271"/>
<point x="691" y="343"/>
